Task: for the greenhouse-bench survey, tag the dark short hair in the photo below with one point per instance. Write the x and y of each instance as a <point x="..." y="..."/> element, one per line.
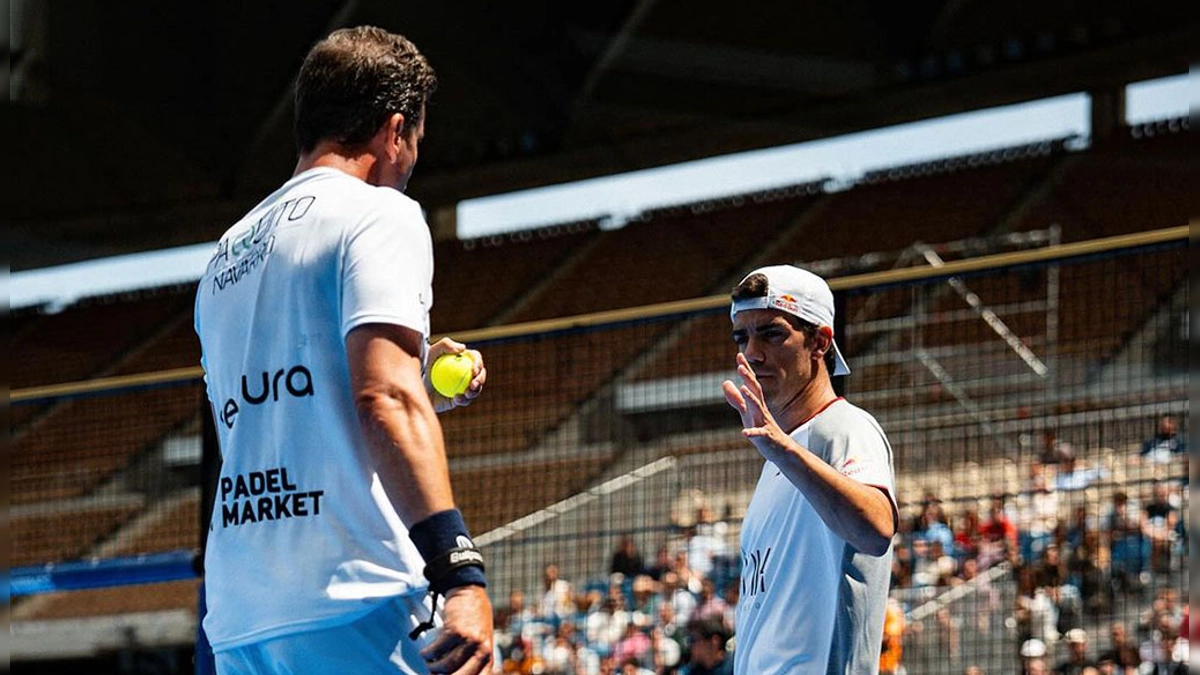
<point x="753" y="286"/>
<point x="353" y="80"/>
<point x="707" y="629"/>
<point x="756" y="286"/>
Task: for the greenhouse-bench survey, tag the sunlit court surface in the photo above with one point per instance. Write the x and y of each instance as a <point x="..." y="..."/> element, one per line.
<point x="998" y="198"/>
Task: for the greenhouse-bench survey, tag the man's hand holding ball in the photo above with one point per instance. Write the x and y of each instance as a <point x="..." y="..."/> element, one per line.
<point x="456" y="374"/>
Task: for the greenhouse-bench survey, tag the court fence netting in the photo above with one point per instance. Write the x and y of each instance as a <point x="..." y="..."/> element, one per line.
<point x="1048" y="386"/>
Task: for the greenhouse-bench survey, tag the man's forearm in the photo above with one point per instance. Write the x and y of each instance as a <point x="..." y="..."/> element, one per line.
<point x="405" y="440"/>
<point x="860" y="514"/>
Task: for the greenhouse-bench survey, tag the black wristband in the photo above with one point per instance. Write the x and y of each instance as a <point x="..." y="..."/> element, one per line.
<point x="451" y="559"/>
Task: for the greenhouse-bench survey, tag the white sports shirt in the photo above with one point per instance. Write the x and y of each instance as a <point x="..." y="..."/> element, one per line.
<point x="810" y="603"/>
<point x="302" y="535"/>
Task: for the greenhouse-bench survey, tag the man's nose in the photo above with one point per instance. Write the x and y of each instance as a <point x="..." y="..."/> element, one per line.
<point x="753" y="350"/>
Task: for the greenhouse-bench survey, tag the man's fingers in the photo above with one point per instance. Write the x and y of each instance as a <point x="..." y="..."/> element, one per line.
<point x="476" y="358"/>
<point x="754" y="406"/>
<point x="452" y="346"/>
<point x="460" y="657"/>
<point x="445" y="643"/>
<point x="733" y="397"/>
<point x="479" y="373"/>
<point x="445" y="346"/>
<point x="465" y="645"/>
<point x="477" y="663"/>
<point x="738" y="402"/>
<point x="473" y="390"/>
<point x="450" y="662"/>
<point x="748" y="377"/>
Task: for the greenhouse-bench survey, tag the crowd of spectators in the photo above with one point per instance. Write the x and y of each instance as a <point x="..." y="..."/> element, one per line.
<point x="1079" y="547"/>
<point x="1073" y="559"/>
<point x="673" y="616"/>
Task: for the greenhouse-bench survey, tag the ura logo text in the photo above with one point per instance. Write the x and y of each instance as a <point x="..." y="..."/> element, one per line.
<point x="267" y="387"/>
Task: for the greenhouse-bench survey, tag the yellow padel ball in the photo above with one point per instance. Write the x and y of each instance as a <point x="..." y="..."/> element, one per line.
<point x="451" y="374"/>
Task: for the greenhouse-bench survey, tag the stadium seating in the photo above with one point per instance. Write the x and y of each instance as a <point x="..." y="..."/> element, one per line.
<point x="671" y="255"/>
<point x="932" y="202"/>
<point x="82" y="340"/>
<point x="66" y="533"/>
<point x="159" y="597"/>
<point x="1128" y="185"/>
<point x="86" y="441"/>
<point x="171" y="524"/>
<point x="478" y="279"/>
<point x="1087" y="338"/>
<point x="490" y="498"/>
<point x="51" y="350"/>
<point x="888" y="211"/>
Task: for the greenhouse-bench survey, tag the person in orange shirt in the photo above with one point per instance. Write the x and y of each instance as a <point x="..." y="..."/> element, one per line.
<point x="893" y="632"/>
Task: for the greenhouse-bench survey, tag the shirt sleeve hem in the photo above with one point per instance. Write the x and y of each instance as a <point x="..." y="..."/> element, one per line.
<point x="411" y="321"/>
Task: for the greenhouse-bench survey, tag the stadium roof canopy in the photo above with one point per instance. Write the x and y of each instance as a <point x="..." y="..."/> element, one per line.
<point x="139" y="125"/>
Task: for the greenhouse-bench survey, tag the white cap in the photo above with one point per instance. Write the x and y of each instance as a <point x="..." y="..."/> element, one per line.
<point x="1076" y="635"/>
<point x="1033" y="648"/>
<point x="799" y="293"/>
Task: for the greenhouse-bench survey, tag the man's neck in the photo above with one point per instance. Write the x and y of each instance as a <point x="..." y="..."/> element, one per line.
<point x="806" y="404"/>
<point x="359" y="164"/>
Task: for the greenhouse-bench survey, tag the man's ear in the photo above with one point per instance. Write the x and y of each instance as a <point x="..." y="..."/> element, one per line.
<point x="824" y="340"/>
<point x="395" y="128"/>
<point x="389" y="136"/>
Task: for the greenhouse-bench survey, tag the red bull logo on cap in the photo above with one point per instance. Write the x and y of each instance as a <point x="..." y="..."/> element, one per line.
<point x="785" y="302"/>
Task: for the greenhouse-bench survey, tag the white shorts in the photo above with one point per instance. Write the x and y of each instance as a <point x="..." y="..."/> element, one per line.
<point x="375" y="643"/>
